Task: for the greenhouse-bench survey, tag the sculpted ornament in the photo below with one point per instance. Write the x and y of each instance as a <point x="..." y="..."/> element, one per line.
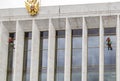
<point x="32" y="6"/>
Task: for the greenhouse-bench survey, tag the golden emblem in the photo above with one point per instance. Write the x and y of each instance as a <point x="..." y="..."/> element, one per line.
<point x="32" y="6"/>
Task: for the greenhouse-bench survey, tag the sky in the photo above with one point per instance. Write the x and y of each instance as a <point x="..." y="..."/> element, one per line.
<point x="20" y="3"/>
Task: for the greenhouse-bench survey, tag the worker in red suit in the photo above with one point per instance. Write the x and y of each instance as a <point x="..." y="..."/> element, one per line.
<point x="11" y="42"/>
<point x="108" y="40"/>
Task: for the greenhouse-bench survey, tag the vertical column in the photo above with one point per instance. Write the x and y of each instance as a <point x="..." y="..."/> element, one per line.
<point x="118" y="50"/>
<point x="19" y="50"/>
<point x="101" y="54"/>
<point x="51" y="52"/>
<point x="3" y="51"/>
<point x="84" y="51"/>
<point x="67" y="75"/>
<point x="35" y="52"/>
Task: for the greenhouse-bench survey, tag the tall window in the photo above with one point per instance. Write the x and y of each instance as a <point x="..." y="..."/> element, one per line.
<point x="110" y="54"/>
<point x="76" y="54"/>
<point x="60" y="54"/>
<point x="43" y="56"/>
<point x="93" y="54"/>
<point x="11" y="43"/>
<point x="27" y="54"/>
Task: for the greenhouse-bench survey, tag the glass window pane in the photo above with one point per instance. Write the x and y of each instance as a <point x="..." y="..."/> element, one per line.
<point x="77" y="42"/>
<point x="26" y="76"/>
<point x="110" y="56"/>
<point x="60" y="33"/>
<point x="60" y="43"/>
<point x="9" y="76"/>
<point x="44" y="58"/>
<point x="44" y="34"/>
<point x="60" y="74"/>
<point x="28" y="34"/>
<point x="77" y="32"/>
<point x="93" y="41"/>
<point x="93" y="31"/>
<point x="93" y="76"/>
<point x="59" y="77"/>
<point x="26" y="45"/>
<point x="27" y="56"/>
<point x="109" y="76"/>
<point x="28" y="59"/>
<point x="11" y="49"/>
<point x="29" y="44"/>
<point x="10" y="61"/>
<point x="43" y="75"/>
<point x="60" y="55"/>
<point x="45" y="44"/>
<point x="76" y="57"/>
<point x="109" y="31"/>
<point x="12" y="35"/>
<point x="60" y="58"/>
<point x="76" y="74"/>
<point x="93" y="56"/>
<point x="93" y="64"/>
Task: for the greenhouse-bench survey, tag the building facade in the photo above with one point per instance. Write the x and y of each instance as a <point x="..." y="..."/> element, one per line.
<point x="61" y="43"/>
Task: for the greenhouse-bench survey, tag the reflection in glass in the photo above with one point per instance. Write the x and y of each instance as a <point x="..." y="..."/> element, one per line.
<point x="43" y="56"/>
<point x="93" y="55"/>
<point x="76" y="54"/>
<point x="27" y="56"/>
<point x="60" y="54"/>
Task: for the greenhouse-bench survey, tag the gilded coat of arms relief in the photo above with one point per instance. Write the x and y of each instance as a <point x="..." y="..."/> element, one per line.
<point x="32" y="6"/>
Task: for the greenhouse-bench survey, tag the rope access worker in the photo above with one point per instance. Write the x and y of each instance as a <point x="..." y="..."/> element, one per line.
<point x="11" y="42"/>
<point x="108" y="40"/>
